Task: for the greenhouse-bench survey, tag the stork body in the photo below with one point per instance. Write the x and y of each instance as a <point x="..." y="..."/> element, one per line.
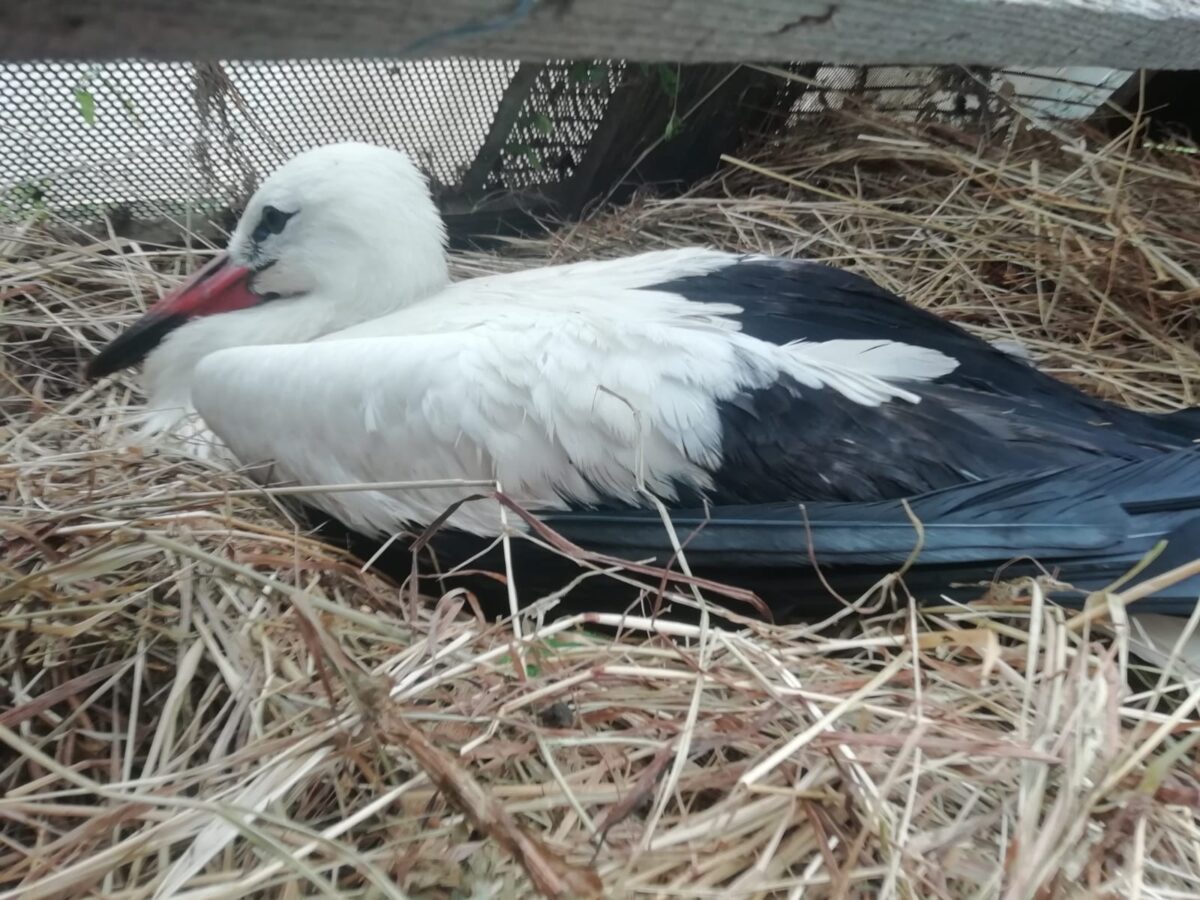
<point x="330" y="343"/>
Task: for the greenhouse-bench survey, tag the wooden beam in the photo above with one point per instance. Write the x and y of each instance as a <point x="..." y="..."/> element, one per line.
<point x="1125" y="34"/>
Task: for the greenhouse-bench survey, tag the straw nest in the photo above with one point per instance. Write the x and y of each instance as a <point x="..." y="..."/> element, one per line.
<point x="201" y="701"/>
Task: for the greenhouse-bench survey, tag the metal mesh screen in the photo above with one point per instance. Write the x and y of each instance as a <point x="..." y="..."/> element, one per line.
<point x="145" y="139"/>
<point x="556" y="123"/>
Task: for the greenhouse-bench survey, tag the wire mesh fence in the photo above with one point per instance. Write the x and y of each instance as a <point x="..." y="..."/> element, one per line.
<point x="147" y="140"/>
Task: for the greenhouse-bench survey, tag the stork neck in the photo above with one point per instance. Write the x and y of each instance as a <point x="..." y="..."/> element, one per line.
<point x="361" y="297"/>
<point x="379" y="290"/>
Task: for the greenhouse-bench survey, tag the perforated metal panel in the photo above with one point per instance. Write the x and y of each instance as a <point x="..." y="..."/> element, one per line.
<point x="148" y="139"/>
<point x="558" y="119"/>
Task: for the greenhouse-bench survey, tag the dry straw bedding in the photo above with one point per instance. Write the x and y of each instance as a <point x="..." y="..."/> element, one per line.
<point x="201" y="701"/>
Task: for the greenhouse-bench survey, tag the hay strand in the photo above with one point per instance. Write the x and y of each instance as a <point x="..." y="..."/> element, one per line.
<point x="202" y="701"/>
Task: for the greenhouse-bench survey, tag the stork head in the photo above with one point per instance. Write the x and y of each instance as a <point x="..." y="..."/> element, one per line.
<point x="336" y="236"/>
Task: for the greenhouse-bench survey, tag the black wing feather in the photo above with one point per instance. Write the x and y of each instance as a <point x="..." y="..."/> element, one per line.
<point x="1091" y="524"/>
<point x="788" y="442"/>
<point x="789" y="300"/>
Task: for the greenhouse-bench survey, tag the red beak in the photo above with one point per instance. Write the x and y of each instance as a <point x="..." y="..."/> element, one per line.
<point x="218" y="286"/>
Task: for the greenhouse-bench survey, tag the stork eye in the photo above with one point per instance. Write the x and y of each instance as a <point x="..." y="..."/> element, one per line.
<point x="271" y="222"/>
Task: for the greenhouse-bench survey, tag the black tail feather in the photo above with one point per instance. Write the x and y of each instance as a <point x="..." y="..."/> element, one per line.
<point x="1087" y="526"/>
<point x="1184" y="422"/>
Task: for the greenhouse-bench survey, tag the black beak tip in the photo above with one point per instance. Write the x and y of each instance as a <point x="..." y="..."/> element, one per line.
<point x="133" y="345"/>
<point x="99" y="366"/>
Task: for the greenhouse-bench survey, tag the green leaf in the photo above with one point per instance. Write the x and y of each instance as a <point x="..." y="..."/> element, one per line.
<point x="668" y="77"/>
<point x="534" y="159"/>
<point x="87" y="105"/>
<point x="26" y="196"/>
<point x="593" y="75"/>
<point x="542" y="123"/>
<point x="674" y="126"/>
<point x="597" y="75"/>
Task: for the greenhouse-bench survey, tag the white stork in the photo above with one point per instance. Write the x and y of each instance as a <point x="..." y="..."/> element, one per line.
<point x="330" y="341"/>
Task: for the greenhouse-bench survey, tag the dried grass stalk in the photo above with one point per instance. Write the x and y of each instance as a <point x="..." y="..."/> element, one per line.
<point x="201" y="701"/>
